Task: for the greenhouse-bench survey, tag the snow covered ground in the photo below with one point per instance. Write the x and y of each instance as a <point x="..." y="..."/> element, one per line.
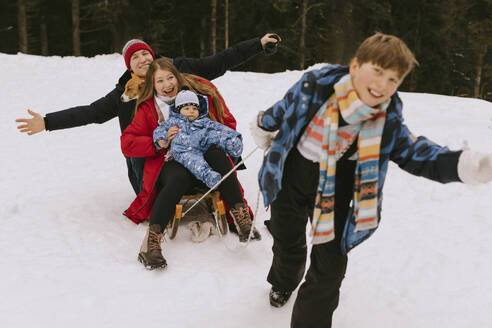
<point x="69" y="258"/>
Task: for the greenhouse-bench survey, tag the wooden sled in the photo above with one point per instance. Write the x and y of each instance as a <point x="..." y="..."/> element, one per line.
<point x="217" y="208"/>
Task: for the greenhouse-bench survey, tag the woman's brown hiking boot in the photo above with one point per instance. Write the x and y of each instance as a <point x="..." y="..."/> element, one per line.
<point x="242" y="220"/>
<point x="151" y="252"/>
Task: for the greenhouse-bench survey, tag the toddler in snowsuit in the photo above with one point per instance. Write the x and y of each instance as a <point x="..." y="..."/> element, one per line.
<point x="338" y="129"/>
<point x="196" y="134"/>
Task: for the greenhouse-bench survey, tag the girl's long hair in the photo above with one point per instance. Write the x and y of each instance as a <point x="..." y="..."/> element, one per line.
<point x="191" y="81"/>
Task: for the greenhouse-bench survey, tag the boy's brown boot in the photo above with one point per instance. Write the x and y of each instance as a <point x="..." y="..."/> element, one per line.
<point x="151" y="252"/>
<point x="242" y="220"/>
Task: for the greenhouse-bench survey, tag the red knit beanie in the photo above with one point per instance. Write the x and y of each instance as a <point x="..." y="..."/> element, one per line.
<point x="132" y="46"/>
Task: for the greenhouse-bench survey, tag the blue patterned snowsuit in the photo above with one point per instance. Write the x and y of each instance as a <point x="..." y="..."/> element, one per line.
<point x="195" y="137"/>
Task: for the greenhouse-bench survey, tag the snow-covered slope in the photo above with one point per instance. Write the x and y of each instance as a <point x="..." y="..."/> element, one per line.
<point x="68" y="256"/>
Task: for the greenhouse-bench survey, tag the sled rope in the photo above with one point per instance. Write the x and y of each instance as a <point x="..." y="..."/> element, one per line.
<point x="242" y="246"/>
<point x="216" y="216"/>
<point x="220" y="181"/>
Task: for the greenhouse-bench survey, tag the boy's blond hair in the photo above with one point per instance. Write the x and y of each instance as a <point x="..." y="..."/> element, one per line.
<point x="387" y="51"/>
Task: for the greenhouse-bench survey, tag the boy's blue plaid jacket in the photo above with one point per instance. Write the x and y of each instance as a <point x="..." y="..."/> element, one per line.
<point x="291" y="115"/>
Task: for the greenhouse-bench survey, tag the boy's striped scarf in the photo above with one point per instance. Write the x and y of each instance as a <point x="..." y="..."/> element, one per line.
<point x="369" y="122"/>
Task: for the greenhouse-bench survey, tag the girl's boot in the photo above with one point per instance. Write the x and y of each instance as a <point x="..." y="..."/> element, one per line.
<point x="242" y="220"/>
<point x="151" y="252"/>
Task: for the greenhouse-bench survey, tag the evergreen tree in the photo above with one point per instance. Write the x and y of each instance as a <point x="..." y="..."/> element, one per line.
<point x="451" y="39"/>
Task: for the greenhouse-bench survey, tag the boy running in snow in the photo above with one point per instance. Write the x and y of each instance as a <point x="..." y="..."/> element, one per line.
<point x="338" y="128"/>
<point x="195" y="135"/>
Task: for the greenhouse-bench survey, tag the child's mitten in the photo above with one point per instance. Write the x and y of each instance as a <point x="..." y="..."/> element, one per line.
<point x="212" y="178"/>
<point x="160" y="133"/>
<point x="234" y="146"/>
<point x="475" y="168"/>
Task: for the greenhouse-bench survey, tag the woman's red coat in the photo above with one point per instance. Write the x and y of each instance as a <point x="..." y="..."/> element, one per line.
<point x="137" y="141"/>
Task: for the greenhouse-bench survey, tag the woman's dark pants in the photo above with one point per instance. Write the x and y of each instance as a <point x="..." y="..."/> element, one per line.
<point x="175" y="180"/>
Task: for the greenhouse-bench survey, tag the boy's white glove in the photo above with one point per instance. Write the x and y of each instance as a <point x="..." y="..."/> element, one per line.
<point x="474" y="168"/>
<point x="262" y="138"/>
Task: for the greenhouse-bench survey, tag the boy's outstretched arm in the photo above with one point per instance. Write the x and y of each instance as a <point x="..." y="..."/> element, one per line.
<point x="474" y="167"/>
<point x="422" y="157"/>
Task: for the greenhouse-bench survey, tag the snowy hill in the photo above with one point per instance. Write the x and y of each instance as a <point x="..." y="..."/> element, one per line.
<point x="68" y="256"/>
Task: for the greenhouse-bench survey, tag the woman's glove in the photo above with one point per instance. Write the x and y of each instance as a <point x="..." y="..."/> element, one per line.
<point x="474" y="168"/>
<point x="262" y="138"/>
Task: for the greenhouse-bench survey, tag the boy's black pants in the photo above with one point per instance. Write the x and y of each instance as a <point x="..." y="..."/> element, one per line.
<point x="319" y="294"/>
<point x="175" y="180"/>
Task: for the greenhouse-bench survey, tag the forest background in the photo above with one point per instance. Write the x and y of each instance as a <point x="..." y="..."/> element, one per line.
<point x="451" y="39"/>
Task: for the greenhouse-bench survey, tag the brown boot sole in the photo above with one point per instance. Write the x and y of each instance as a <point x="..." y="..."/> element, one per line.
<point x="149" y="266"/>
<point x="244" y="237"/>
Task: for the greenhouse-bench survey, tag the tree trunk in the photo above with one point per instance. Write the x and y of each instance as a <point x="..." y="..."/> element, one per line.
<point x="22" y="25"/>
<point x="213" y="27"/>
<point x="302" y="38"/>
<point x="203" y="37"/>
<point x="114" y="24"/>
<point x="343" y="32"/>
<point x="44" y="37"/>
<point x="115" y="38"/>
<point x="482" y="90"/>
<point x="412" y="84"/>
<point x="478" y="77"/>
<point x="181" y="43"/>
<point x="75" y="28"/>
<point x="226" y="24"/>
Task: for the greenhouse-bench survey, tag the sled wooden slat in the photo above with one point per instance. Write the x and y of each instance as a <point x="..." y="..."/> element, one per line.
<point x="218" y="211"/>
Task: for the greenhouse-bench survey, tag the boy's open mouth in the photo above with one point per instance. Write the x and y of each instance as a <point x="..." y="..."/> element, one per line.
<point x="375" y="94"/>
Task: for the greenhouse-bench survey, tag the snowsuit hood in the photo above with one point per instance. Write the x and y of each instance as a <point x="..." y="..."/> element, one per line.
<point x="202" y="108"/>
